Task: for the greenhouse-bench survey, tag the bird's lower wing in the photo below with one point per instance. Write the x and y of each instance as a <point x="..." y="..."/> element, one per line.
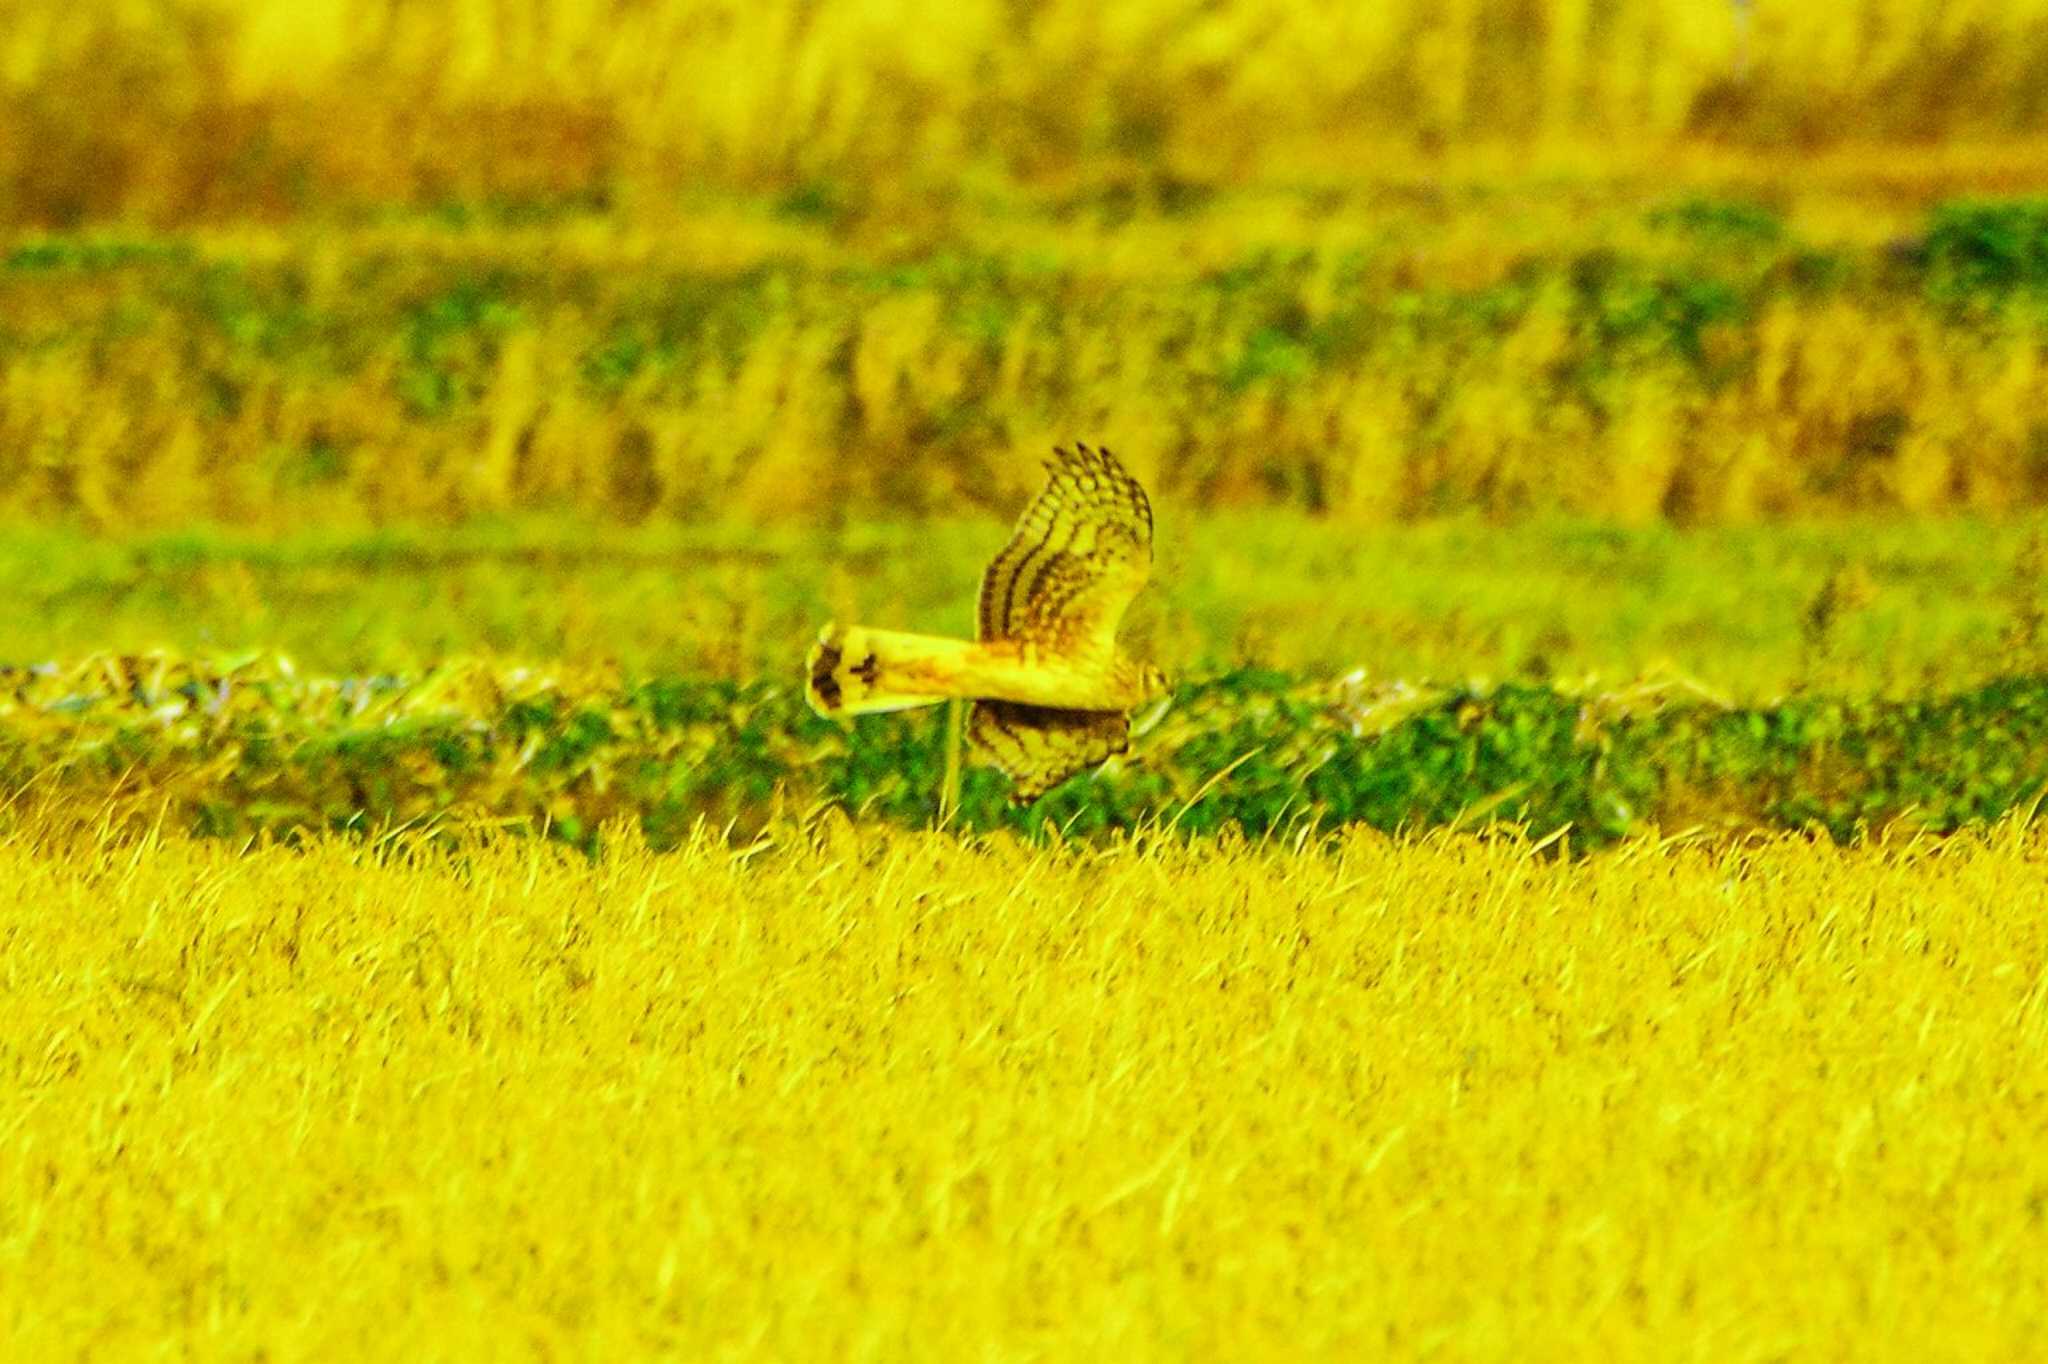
<point x="1039" y="747"/>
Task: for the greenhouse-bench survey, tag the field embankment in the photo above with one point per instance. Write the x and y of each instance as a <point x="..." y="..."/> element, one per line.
<point x="253" y="747"/>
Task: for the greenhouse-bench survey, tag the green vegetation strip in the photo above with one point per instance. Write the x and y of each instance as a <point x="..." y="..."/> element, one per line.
<point x="1901" y="607"/>
<point x="245" y="745"/>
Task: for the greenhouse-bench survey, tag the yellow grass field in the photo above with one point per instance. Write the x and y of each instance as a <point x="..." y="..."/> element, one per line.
<point x="847" y="1095"/>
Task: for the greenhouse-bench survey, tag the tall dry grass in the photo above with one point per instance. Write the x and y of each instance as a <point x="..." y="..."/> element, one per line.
<point x="738" y="365"/>
<point x="841" y="1094"/>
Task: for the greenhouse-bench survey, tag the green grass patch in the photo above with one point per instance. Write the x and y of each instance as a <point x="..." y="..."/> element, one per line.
<point x="1750" y="611"/>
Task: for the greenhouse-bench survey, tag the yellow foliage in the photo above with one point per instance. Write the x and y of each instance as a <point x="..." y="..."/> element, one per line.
<point x="844" y="1094"/>
<point x="1369" y="431"/>
<point x="1646" y="447"/>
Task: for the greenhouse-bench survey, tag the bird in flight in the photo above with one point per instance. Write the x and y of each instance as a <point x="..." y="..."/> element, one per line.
<point x="1052" y="695"/>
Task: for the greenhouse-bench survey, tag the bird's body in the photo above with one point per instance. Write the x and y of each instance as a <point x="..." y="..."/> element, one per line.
<point x="1052" y="692"/>
<point x="858" y="669"/>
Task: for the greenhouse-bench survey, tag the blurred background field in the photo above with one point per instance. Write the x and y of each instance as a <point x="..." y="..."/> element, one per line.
<point x="174" y="109"/>
<point x="362" y="264"/>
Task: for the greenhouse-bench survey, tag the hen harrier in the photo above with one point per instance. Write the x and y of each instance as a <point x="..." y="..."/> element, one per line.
<point x="1051" y="694"/>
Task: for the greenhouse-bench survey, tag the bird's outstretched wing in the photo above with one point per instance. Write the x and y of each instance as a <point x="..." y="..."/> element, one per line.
<point x="1039" y="747"/>
<point x="1081" y="551"/>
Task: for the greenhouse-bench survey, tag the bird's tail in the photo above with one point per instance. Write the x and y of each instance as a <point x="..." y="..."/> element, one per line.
<point x="855" y="670"/>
